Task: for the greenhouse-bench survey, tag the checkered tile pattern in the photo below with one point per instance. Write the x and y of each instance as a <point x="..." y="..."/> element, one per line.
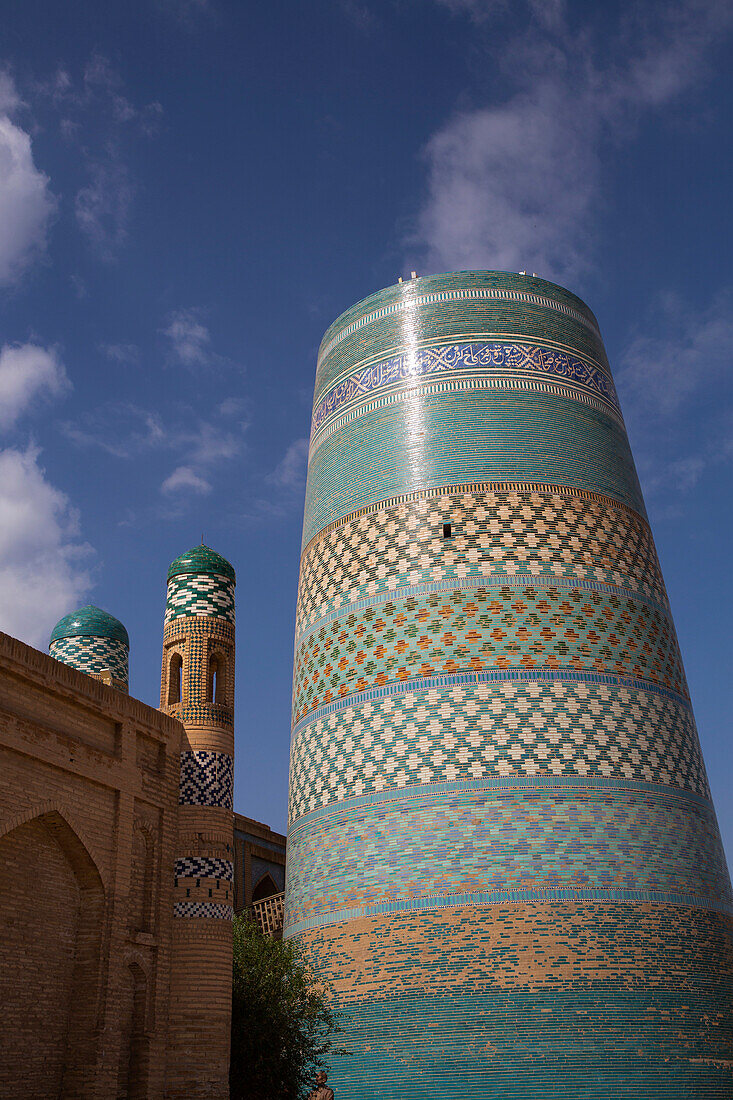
<point x="200" y="594"/>
<point x="207" y="779"/>
<point x="92" y="655"/>
<point x="204" y="867"/>
<point x="203" y="909"/>
<point x="497" y="534"/>
<point x="506" y="728"/>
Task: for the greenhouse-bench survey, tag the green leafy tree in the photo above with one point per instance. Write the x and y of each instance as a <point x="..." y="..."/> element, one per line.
<point x="282" y="1025"/>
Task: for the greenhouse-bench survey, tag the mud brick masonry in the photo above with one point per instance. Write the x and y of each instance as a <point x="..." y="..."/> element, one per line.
<point x="501" y="849"/>
<point x="117" y="854"/>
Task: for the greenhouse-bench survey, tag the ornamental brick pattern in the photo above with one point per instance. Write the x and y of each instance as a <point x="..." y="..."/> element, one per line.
<point x="93" y="655"/>
<point x="197" y="686"/>
<point x="502" y="849"/>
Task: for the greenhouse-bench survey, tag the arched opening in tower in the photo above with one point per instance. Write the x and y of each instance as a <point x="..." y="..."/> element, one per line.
<point x="217" y="679"/>
<point x="175" y="679"/>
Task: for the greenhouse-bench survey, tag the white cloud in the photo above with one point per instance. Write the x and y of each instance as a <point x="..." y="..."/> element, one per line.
<point x="190" y="339"/>
<point x="549" y="13"/>
<point x="28" y="375"/>
<point x="184" y="479"/>
<point x="660" y="374"/>
<point x="676" y="393"/>
<point x="10" y="101"/>
<point x="122" y="430"/>
<point x="26" y="202"/>
<point x="127" y="354"/>
<point x="42" y="570"/>
<point x="511" y="187"/>
<point x="290" y="472"/>
<point x="103" y="206"/>
<point x="519" y="185"/>
<point x="199" y="445"/>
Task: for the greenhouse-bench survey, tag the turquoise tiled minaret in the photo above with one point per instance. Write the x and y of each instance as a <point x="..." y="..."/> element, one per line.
<point x="502" y="851"/>
<point x="95" y="642"/>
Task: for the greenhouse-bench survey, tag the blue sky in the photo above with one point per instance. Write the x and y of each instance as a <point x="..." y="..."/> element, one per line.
<point x="192" y="190"/>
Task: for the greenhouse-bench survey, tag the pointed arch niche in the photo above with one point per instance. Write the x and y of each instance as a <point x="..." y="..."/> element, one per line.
<point x="51" y="913"/>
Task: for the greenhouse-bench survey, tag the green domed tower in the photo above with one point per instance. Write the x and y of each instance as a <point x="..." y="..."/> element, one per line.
<point x="197" y="687"/>
<point x="93" y="641"/>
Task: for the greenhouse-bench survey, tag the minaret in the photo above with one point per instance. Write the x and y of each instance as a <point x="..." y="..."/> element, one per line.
<point x="95" y="642"/>
<point x="503" y="855"/>
<point x="197" y="687"/>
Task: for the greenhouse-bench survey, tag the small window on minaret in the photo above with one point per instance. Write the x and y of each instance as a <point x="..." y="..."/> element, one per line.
<point x="175" y="679"/>
<point x="217" y="679"/>
<point x="447" y="531"/>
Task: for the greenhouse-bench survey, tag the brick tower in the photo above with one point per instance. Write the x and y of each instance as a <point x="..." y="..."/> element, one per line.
<point x="95" y="642"/>
<point x="197" y="687"/>
<point x="502" y="849"/>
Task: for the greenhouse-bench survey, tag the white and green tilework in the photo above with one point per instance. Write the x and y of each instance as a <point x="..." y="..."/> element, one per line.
<point x="93" y="655"/>
<point x="200" y="594"/>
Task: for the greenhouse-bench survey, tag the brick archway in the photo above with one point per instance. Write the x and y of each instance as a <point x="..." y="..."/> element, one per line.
<point x="52" y="913"/>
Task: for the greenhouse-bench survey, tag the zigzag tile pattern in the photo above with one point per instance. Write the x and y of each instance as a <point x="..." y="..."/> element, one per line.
<point x="199" y="594"/>
<point x="210" y="910"/>
<point x="204" y="867"/>
<point x="207" y="779"/>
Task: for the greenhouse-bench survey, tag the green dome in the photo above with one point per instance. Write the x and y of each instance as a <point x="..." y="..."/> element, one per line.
<point x="202" y="559"/>
<point x="90" y="622"/>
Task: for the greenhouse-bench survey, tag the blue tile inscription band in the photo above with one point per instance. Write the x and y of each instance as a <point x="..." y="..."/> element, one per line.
<point x="516" y="360"/>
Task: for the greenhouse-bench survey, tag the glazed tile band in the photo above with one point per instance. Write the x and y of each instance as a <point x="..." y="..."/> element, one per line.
<point x="208" y="910"/>
<point x="425" y="683"/>
<point x="507" y="364"/>
<point x="456" y="296"/>
<point x="468" y="489"/>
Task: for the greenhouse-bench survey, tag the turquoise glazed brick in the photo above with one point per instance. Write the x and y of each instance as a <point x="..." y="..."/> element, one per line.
<point x="91" y="640"/>
<point x="503" y="857"/>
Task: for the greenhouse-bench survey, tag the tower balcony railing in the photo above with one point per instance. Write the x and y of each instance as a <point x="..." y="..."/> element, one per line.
<point x="268" y="913"/>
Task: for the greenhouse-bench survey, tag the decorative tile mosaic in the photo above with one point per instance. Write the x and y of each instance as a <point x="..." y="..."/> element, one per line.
<point x="484" y="307"/>
<point x="92" y="655"/>
<point x="204" y="867"/>
<point x="492" y="364"/>
<point x="474" y="845"/>
<point x="207" y="779"/>
<point x="502" y="853"/>
<point x="497" y="949"/>
<point x="466" y="295"/>
<point x="489" y="627"/>
<point x="203" y="909"/>
<point x="196" y="639"/>
<point x="607" y="1044"/>
<point x="454" y="437"/>
<point x="502" y="535"/>
<point x="510" y="728"/>
<point x="200" y="594"/>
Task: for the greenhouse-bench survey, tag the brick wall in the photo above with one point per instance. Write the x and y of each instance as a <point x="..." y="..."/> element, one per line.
<point x="88" y="815"/>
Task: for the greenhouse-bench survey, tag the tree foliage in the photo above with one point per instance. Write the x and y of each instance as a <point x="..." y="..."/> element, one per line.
<point x="282" y="1025"/>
